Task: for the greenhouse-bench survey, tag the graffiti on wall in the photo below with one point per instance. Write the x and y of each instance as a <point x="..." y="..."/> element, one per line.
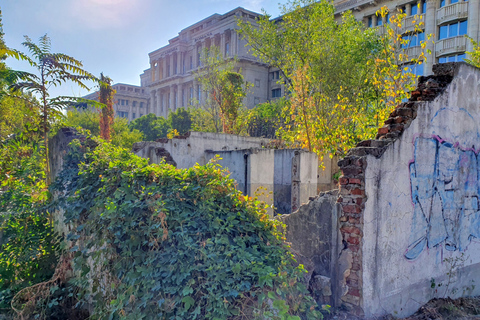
<point x="445" y="188"/>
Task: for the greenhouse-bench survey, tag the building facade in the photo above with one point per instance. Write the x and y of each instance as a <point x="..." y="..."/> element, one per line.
<point x="130" y="101"/>
<point x="449" y="21"/>
<point x="171" y="76"/>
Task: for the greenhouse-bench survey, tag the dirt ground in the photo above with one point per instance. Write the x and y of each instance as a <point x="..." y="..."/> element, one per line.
<point x="436" y="309"/>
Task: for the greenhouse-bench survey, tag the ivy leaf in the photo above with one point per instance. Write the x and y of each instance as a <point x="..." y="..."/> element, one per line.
<point x="188" y="301"/>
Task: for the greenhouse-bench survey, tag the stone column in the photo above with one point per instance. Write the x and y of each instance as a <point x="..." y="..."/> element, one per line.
<point x="164" y="67"/>
<point x="473" y="21"/>
<point x="374" y="20"/>
<point x="233" y="43"/>
<point x="420" y="7"/>
<point x="222" y="44"/>
<point x="430" y="28"/>
<point x="152" y="70"/>
<point x="160" y="68"/>
<point x="408" y="9"/>
<point x="153" y="102"/>
<point x="158" y="104"/>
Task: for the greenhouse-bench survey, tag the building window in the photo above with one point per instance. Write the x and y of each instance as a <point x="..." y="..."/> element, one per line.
<point x="191" y="62"/>
<point x="141" y="115"/>
<point x="414" y="10"/>
<point x="134" y="103"/>
<point x="133" y="115"/>
<point x="168" y="100"/>
<point x="370" y="22"/>
<point x="168" y="68"/>
<point x="412" y="40"/>
<point x="122" y="114"/>
<point x="452" y="30"/>
<point x="379" y="21"/>
<point x="276" y="93"/>
<point x="183" y="97"/>
<point x="275" y="75"/>
<point x="227" y="49"/>
<point x="141" y="104"/>
<point x="452" y="58"/>
<point x="416" y="69"/>
<point x="257" y="82"/>
<point x="256" y="100"/>
<point x="424" y="6"/>
<point x="126" y="102"/>
<point x="191" y="93"/>
<point x="199" y="60"/>
<point x="199" y="93"/>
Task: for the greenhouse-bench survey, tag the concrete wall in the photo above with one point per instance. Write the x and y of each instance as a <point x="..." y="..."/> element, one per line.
<point x="410" y="201"/>
<point x="190" y="150"/>
<point x="312" y="233"/>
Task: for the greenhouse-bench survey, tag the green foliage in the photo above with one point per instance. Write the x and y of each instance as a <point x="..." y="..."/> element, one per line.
<point x="225" y="89"/>
<point x="28" y="245"/>
<point x="202" y="120"/>
<point x="266" y="119"/>
<point x="180" y="120"/>
<point x="155" y="242"/>
<point x="474" y="56"/>
<point x="339" y="75"/>
<point x="151" y="126"/>
<point x="123" y="135"/>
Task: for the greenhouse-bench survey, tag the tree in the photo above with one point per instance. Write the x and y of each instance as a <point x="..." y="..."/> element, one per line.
<point x="266" y="119"/>
<point x="151" y="126"/>
<point x="105" y="96"/>
<point x="224" y="88"/>
<point x="180" y="120"/>
<point x="122" y="135"/>
<point x="53" y="70"/>
<point x="331" y="70"/>
<point x="474" y="56"/>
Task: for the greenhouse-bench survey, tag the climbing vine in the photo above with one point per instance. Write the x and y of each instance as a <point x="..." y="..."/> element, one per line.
<point x="153" y="241"/>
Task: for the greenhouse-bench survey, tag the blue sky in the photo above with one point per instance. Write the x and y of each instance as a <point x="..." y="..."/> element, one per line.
<point x="110" y="36"/>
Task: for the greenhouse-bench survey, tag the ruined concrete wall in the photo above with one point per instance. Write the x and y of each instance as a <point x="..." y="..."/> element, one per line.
<point x="188" y="150"/>
<point x="410" y="201"/>
<point x="312" y="233"/>
<point x="327" y="167"/>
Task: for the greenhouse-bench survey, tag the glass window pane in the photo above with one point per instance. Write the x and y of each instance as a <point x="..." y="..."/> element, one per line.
<point x="421" y="37"/>
<point x="442" y="3"/>
<point x="419" y="70"/>
<point x="387" y="18"/>
<point x="453" y="30"/>
<point x="442" y="60"/>
<point x="414" y="41"/>
<point x="461" y="57"/>
<point x="443" y="32"/>
<point x="454" y="1"/>
<point x="451" y="59"/>
<point x="379" y="21"/>
<point x="414" y="9"/>
<point x="424" y="6"/>
<point x="369" y="22"/>
<point x="406" y="42"/>
<point x="463" y="27"/>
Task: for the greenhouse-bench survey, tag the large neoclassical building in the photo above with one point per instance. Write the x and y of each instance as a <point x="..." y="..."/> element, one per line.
<point x="170" y="82"/>
<point x="171" y="76"/>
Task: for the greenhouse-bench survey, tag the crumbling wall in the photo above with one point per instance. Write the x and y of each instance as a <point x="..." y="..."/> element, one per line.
<point x="188" y="150"/>
<point x="312" y="233"/>
<point x="410" y="218"/>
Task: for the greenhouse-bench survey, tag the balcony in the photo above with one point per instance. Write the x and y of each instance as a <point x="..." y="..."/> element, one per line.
<point x="450" y="45"/>
<point x="410" y="22"/>
<point x="452" y="12"/>
<point x="413" y="52"/>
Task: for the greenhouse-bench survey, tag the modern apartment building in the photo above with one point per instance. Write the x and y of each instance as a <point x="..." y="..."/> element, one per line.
<point x="447" y="20"/>
<point x="130" y="101"/>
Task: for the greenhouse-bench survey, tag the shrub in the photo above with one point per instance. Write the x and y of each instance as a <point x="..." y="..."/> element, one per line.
<point x="155" y="242"/>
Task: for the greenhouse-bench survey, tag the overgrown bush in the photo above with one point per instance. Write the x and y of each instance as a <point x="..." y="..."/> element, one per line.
<point x="155" y="242"/>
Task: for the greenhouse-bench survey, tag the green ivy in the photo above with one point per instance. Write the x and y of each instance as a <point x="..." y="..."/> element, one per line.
<point x="156" y="242"/>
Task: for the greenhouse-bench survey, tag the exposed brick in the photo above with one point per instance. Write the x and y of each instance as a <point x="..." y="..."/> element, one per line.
<point x="343" y="180"/>
<point x="383" y="130"/>
<point x="353" y="220"/>
<point x="356" y="266"/>
<point x="355" y="181"/>
<point x="351" y="209"/>
<point x="358" y="192"/>
<point x="353" y="230"/>
<point x="405" y="112"/>
<point x="359" y="201"/>
<point x="352" y="171"/>
<point x="343" y="219"/>
<point x="354" y="292"/>
<point x="353" y="240"/>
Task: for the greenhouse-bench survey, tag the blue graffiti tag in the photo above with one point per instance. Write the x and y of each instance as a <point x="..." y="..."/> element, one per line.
<point x="445" y="192"/>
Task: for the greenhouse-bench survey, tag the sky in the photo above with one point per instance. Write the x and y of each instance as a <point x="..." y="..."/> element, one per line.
<point x="109" y="36"/>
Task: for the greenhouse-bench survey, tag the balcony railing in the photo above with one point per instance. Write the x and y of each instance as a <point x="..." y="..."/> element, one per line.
<point x="413" y="52"/>
<point x="450" y="45"/>
<point x="452" y="12"/>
